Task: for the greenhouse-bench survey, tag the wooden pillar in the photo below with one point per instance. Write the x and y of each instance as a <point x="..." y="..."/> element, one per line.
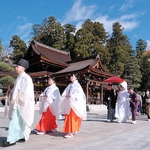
<point x="102" y="93"/>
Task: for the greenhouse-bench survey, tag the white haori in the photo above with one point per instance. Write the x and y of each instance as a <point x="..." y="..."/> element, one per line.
<point x="74" y="97"/>
<point x="21" y="97"/>
<point x="52" y="100"/>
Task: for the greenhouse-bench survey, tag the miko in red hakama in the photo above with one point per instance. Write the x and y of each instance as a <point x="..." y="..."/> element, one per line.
<point x="47" y="122"/>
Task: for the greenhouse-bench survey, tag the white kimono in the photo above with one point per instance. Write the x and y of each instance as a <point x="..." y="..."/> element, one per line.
<point x="21" y="97"/>
<point x="52" y="100"/>
<point x="74" y="97"/>
<point x="123" y="106"/>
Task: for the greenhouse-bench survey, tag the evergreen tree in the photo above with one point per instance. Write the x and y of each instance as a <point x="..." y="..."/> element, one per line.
<point x="90" y="41"/>
<point x="132" y="72"/>
<point x="1" y="47"/>
<point x="82" y="44"/>
<point x="50" y="33"/>
<point x="98" y="40"/>
<point x="4" y="67"/>
<point x="144" y="64"/>
<point x="7" y="80"/>
<point x="145" y="71"/>
<point x="140" y="48"/>
<point x="19" y="48"/>
<point x="119" y="49"/>
<point x="37" y="31"/>
<point x="69" y="39"/>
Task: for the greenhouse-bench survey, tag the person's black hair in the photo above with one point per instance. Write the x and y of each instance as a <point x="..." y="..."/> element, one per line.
<point x="74" y="75"/>
<point x="52" y="77"/>
<point x="109" y="84"/>
<point x="131" y="88"/>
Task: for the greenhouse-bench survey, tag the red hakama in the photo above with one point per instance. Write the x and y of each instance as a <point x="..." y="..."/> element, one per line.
<point x="72" y="122"/>
<point x="47" y="122"/>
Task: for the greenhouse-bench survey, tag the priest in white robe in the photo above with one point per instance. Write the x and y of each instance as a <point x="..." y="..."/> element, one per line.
<point x="21" y="106"/>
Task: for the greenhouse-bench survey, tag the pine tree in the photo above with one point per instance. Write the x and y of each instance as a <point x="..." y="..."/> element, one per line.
<point x="119" y="48"/>
<point x="132" y="72"/>
<point x="19" y="48"/>
<point x="144" y="64"/>
<point x="50" y="32"/>
<point x="69" y="40"/>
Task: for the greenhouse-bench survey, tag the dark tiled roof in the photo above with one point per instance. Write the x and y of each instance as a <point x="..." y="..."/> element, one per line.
<point x="107" y="74"/>
<point x="33" y="74"/>
<point x="40" y="74"/>
<point x="80" y="65"/>
<point x="51" y="54"/>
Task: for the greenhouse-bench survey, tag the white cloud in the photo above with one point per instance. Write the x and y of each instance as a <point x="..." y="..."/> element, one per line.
<point x="24" y="28"/>
<point x="148" y="45"/>
<point x="129" y="16"/>
<point x="24" y="31"/>
<point x="79" y="12"/>
<point x="111" y="8"/>
<point x="128" y="26"/>
<point x="78" y="25"/>
<point x="22" y="18"/>
<point x="123" y="20"/>
<point x="127" y="5"/>
<point x="106" y="22"/>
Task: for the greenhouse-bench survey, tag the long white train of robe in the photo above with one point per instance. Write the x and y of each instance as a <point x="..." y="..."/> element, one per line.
<point x="123" y="110"/>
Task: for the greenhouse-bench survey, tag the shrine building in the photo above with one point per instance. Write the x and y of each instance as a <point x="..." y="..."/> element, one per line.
<point x="46" y="61"/>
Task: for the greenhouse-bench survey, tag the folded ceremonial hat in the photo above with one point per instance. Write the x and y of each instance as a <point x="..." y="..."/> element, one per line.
<point x="23" y="62"/>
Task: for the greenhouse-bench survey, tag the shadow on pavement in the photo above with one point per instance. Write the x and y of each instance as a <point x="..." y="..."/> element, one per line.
<point x="56" y="134"/>
<point x="5" y="128"/>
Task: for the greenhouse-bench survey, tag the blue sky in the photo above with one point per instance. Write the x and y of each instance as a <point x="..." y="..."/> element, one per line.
<point x="17" y="16"/>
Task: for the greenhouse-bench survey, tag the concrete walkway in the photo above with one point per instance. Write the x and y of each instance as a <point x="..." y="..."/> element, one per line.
<point x="95" y="134"/>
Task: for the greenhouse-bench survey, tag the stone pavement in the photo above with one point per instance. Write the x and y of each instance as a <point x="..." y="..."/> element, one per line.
<point x="95" y="134"/>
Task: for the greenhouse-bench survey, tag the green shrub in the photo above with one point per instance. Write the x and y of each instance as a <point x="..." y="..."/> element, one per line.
<point x="5" y="67"/>
<point x="6" y="81"/>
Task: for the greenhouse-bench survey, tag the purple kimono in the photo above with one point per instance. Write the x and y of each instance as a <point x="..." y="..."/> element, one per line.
<point x="134" y="105"/>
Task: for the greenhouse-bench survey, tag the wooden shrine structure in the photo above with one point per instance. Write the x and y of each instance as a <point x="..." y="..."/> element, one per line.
<point x="46" y="61"/>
